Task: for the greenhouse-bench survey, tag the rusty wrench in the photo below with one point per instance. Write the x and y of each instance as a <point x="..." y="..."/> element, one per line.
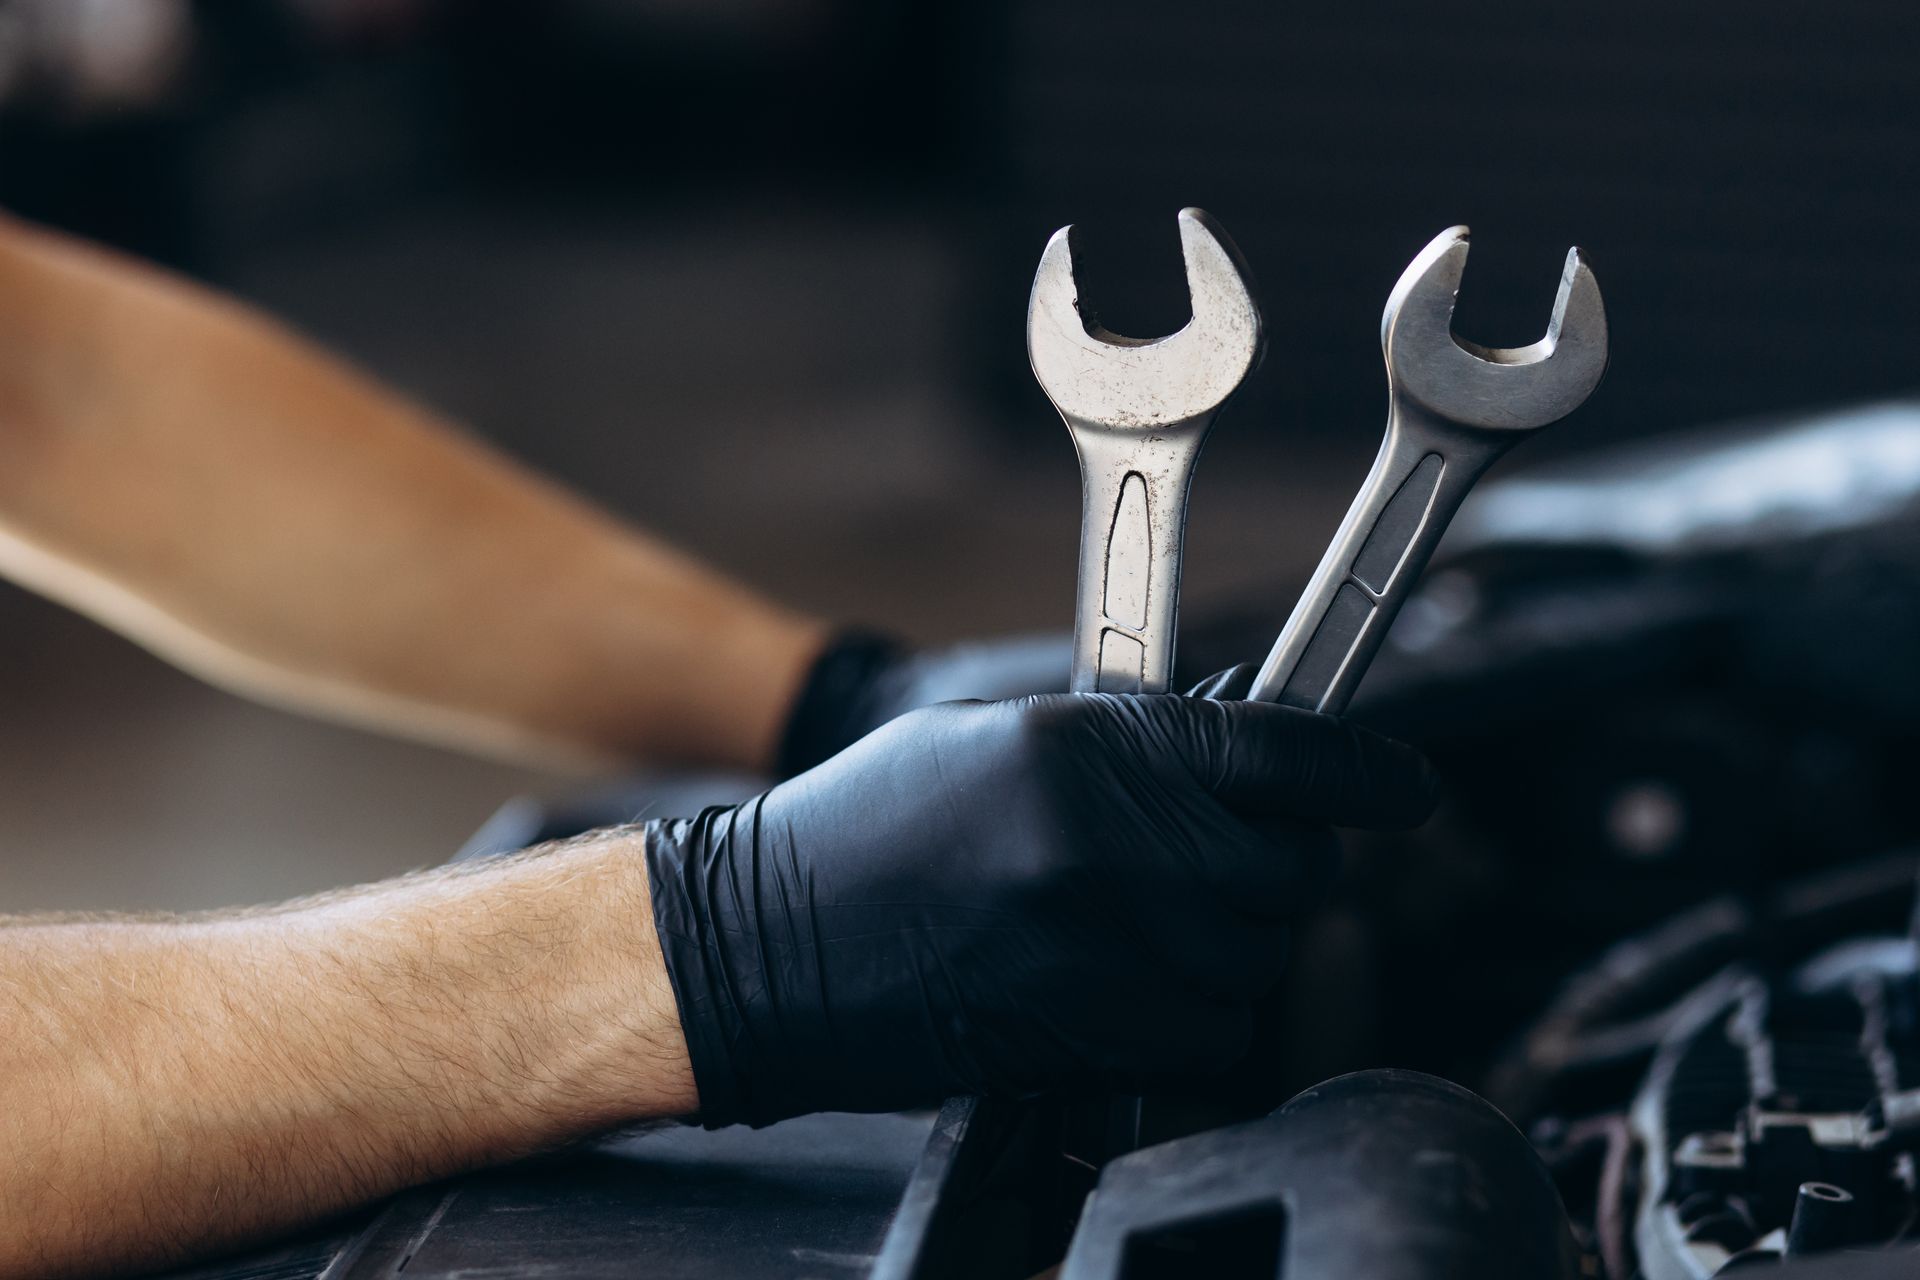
<point x="1138" y="411"/>
<point x="1454" y="409"/>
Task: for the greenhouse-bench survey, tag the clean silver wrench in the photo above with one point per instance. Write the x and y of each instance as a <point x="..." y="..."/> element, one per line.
<point x="1454" y="408"/>
<point x="1138" y="411"/>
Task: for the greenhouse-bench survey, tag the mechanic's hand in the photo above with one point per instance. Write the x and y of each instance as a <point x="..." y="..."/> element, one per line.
<point x="1004" y="897"/>
<point x="864" y="679"/>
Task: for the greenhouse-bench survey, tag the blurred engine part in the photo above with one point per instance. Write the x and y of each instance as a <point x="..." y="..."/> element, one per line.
<point x="1592" y="1045"/>
<point x="1391" y="1175"/>
<point x="1746" y="1082"/>
<point x="1781" y="1117"/>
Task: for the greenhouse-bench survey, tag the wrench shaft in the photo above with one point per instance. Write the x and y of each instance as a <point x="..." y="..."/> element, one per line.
<point x="1419" y="479"/>
<point x="1132" y="530"/>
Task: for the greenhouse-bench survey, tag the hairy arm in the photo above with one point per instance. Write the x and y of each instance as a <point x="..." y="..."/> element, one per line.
<point x="171" y="1086"/>
<point x="193" y="475"/>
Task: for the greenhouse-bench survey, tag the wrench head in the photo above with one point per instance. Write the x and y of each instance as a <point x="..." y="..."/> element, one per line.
<point x="1099" y="378"/>
<point x="1493" y="388"/>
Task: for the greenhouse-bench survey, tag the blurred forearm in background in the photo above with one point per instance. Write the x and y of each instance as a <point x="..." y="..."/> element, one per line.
<point x="210" y="485"/>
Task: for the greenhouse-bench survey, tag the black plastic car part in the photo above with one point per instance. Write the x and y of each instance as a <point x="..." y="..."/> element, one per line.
<point x="1781" y="1116"/>
<point x="1389" y="1175"/>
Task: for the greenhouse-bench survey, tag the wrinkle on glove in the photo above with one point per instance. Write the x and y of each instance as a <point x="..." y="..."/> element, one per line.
<point x="1003" y="898"/>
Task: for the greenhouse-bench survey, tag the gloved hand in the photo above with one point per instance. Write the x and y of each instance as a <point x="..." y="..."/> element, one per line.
<point x="1005" y="897"/>
<point x="864" y="679"/>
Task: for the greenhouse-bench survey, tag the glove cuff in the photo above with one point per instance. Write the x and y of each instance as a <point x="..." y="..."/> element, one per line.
<point x="711" y="1018"/>
<point x="840" y="701"/>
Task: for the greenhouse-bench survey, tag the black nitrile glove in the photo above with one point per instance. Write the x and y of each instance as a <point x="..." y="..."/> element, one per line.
<point x="863" y="679"/>
<point x="1004" y="897"/>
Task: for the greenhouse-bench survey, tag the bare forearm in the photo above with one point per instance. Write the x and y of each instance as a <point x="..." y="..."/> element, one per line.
<point x="195" y="476"/>
<point x="168" y="1087"/>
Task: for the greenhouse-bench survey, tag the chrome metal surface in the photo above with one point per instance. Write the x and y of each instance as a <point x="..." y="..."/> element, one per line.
<point x="1138" y="411"/>
<point x="1454" y="408"/>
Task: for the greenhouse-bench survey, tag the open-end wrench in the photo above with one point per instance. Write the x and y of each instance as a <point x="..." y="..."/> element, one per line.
<point x="1138" y="411"/>
<point x="1454" y="408"/>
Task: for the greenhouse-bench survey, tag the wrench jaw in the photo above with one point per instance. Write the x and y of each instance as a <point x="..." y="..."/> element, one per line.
<point x="1454" y="409"/>
<point x="1102" y="380"/>
<point x="1515" y="389"/>
<point x="1221" y="299"/>
<point x="1421" y="302"/>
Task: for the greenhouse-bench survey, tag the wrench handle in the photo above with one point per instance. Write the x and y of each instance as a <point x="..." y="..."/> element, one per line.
<point x="1422" y="474"/>
<point x="1132" y="533"/>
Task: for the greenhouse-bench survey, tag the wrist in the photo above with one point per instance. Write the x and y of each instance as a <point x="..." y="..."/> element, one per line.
<point x="541" y="973"/>
<point x="639" y="1069"/>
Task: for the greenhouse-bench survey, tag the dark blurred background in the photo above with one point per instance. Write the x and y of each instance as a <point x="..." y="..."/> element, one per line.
<point x="753" y="272"/>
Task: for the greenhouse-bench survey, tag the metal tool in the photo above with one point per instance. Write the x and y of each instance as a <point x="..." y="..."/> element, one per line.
<point x="1454" y="409"/>
<point x="1138" y="411"/>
